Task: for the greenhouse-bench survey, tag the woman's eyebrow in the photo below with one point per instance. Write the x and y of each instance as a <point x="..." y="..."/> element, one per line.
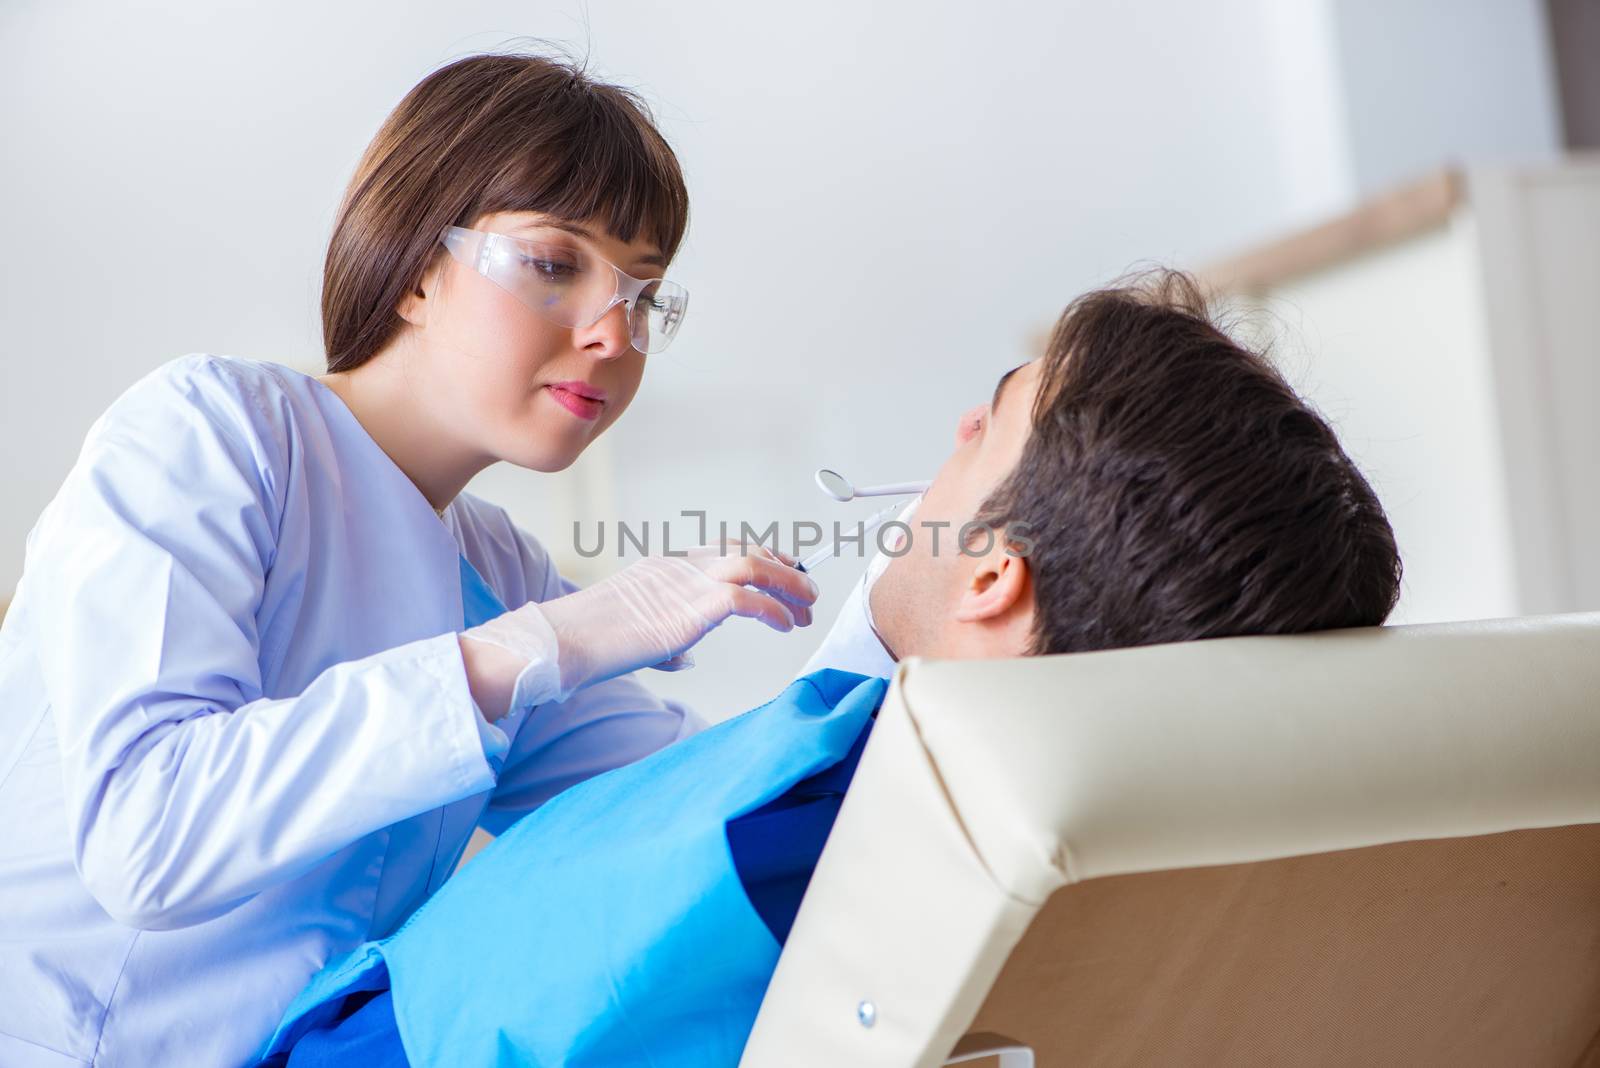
<point x="559" y="224"/>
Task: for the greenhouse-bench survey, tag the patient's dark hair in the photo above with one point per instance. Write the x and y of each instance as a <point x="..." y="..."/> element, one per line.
<point x="1175" y="487"/>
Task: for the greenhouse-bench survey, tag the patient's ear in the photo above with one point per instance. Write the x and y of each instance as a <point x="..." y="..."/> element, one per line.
<point x="998" y="586"/>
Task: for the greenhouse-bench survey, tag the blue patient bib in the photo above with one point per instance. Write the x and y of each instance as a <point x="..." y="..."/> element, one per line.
<point x="609" y="927"/>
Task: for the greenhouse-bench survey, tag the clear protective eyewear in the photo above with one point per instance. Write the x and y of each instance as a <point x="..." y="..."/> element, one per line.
<point x="572" y="286"/>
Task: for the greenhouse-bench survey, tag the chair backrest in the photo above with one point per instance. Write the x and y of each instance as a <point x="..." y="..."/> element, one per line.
<point x="1365" y="846"/>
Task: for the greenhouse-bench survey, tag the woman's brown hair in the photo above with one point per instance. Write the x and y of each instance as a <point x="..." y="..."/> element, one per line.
<point x="486" y="134"/>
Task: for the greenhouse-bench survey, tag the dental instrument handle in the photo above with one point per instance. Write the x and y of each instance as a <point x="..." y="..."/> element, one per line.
<point x="827" y="552"/>
<point x="893" y="489"/>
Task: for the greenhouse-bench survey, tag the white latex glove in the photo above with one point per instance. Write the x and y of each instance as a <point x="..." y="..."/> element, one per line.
<point x="652" y="611"/>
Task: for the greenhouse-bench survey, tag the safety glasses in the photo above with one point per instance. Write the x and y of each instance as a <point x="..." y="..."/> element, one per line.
<point x="570" y="285"/>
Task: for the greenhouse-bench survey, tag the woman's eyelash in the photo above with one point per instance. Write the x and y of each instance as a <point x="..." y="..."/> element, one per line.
<point x="549" y="267"/>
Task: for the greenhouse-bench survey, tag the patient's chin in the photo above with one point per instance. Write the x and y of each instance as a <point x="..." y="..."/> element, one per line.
<point x="892" y="621"/>
<point x="884" y="640"/>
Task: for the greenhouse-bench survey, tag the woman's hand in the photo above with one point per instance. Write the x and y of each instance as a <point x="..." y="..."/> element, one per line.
<point x="651" y="612"/>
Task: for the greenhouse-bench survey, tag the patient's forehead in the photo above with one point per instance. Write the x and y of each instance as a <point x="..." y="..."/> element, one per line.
<point x="1011" y="410"/>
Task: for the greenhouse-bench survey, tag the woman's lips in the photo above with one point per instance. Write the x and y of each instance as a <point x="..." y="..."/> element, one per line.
<point x="579" y="398"/>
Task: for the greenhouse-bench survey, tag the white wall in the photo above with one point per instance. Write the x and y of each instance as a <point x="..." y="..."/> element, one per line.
<point x="1429" y="81"/>
<point x="1371" y="93"/>
<point x="931" y="182"/>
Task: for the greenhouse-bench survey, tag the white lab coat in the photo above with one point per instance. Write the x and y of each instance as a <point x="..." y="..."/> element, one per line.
<point x="236" y="736"/>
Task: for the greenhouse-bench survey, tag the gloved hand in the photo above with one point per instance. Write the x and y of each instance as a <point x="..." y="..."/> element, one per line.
<point x="652" y="611"/>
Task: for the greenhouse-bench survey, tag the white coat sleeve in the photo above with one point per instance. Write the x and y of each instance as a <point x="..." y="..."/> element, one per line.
<point x="598" y="728"/>
<point x="187" y="790"/>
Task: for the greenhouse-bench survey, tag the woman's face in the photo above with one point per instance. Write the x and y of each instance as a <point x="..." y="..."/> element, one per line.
<point x="515" y="386"/>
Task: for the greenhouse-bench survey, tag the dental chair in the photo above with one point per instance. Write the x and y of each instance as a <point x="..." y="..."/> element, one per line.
<point x="1376" y="846"/>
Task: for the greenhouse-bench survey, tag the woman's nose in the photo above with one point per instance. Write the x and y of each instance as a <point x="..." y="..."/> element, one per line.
<point x="608" y="336"/>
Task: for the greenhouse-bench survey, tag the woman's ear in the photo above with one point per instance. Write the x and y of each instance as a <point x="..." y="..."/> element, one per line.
<point x="998" y="586"/>
<point x="413" y="307"/>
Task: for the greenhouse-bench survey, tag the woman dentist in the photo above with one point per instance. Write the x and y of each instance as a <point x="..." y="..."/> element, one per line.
<point x="258" y="686"/>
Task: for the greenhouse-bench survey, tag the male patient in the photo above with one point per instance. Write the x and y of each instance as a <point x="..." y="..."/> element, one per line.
<point x="1149" y="480"/>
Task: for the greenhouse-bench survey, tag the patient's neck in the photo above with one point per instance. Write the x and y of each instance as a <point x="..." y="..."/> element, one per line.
<point x="958" y="641"/>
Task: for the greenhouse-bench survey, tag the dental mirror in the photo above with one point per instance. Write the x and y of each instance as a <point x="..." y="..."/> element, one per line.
<point x="835" y="485"/>
<point x="839" y="488"/>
